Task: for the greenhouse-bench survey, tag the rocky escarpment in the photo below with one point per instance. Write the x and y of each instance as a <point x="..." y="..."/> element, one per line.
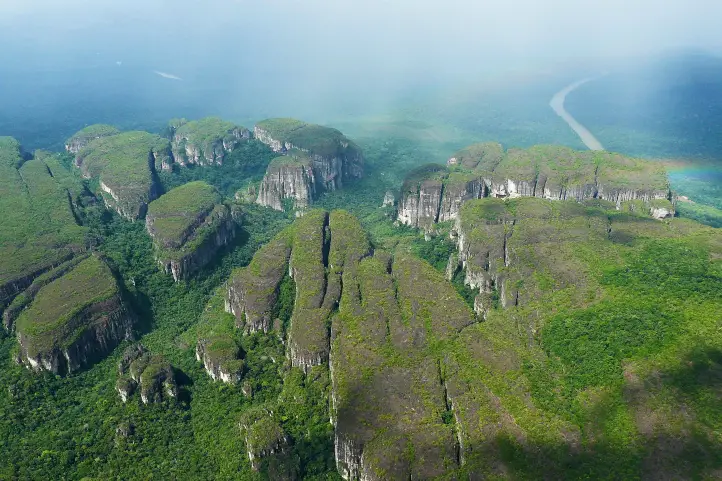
<point x="23" y="300"/>
<point x="329" y="161"/>
<point x="288" y="177"/>
<point x="39" y="230"/>
<point x="151" y="374"/>
<point x="206" y="141"/>
<point x="222" y="358"/>
<point x="418" y="388"/>
<point x="74" y="320"/>
<point x="126" y="167"/>
<point x="189" y="225"/>
<point x="253" y="291"/>
<point x="511" y="250"/>
<point x="82" y="138"/>
<point x="433" y="194"/>
<point x="387" y="389"/>
<point x="264" y="437"/>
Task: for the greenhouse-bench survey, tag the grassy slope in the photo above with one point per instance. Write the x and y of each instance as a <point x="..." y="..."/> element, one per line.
<point x="320" y="140"/>
<point x="38" y="225"/>
<point x="122" y="163"/>
<point x="174" y="212"/>
<point x="619" y="333"/>
<point x="46" y="322"/>
<point x="205" y="131"/>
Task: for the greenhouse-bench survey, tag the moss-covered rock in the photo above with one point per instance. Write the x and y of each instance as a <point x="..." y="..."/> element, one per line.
<point x="388" y="398"/>
<point x="189" y="225"/>
<point x="308" y="343"/>
<point x="221" y="357"/>
<point x="74" y="320"/>
<point x="206" y="141"/>
<point x="39" y="230"/>
<point x="125" y="166"/>
<point x="263" y="434"/>
<point x="324" y="159"/>
<point x="253" y="291"/>
<point x="433" y="194"/>
<point x="83" y="137"/>
<point x="151" y="374"/>
<point x="387" y="316"/>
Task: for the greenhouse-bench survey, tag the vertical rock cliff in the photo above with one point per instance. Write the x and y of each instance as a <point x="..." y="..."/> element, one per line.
<point x="433" y="194"/>
<point x="288" y="177"/>
<point x="189" y="225"/>
<point x="329" y="161"/>
<point x="63" y="337"/>
<point x="206" y="141"/>
<point x="81" y="139"/>
<point x="126" y="167"/>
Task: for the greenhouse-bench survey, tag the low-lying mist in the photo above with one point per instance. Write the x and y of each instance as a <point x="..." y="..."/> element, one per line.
<point x="138" y="63"/>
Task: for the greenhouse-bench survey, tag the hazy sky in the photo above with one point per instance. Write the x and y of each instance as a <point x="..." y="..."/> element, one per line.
<point x="556" y="28"/>
<point x="241" y="52"/>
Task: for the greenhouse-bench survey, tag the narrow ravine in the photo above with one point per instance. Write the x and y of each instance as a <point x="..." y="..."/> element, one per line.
<point x="557" y="103"/>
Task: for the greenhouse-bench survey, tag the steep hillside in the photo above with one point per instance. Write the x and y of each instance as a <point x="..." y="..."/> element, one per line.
<point x="189" y="225"/>
<point x="577" y="368"/>
<point x="433" y="194"/>
<point x="206" y="141"/>
<point x="39" y="229"/>
<point x="125" y="166"/>
<point x="74" y="320"/>
<point x="325" y="161"/>
<point x="365" y="316"/>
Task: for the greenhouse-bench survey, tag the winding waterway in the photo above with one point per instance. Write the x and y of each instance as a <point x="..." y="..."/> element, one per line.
<point x="557" y="103"/>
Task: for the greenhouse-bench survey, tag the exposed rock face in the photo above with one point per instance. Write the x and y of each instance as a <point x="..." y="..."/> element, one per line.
<point x="221" y="358"/>
<point x="189" y="226"/>
<point x="421" y="196"/>
<point x="151" y="373"/>
<point x="432" y="194"/>
<point x="89" y="323"/>
<point x="206" y="141"/>
<point x="661" y="212"/>
<point x="387" y="389"/>
<point x="308" y="343"/>
<point x="253" y="291"/>
<point x="389" y="199"/>
<point x="225" y="232"/>
<point x="126" y="166"/>
<point x="501" y="245"/>
<point x="81" y="139"/>
<point x="264" y="436"/>
<point x="29" y="291"/>
<point x="290" y="177"/>
<point x="329" y="160"/>
<point x="104" y="325"/>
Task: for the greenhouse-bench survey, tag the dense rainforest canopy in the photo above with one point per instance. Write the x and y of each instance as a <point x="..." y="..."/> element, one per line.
<point x="227" y="311"/>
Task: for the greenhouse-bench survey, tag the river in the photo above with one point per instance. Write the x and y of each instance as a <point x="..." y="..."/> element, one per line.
<point x="557" y="103"/>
